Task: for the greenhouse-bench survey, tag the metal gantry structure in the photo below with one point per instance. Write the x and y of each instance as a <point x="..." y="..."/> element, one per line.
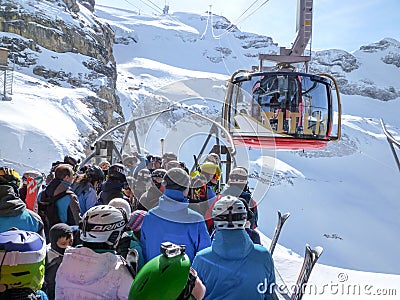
<point x="6" y="75"/>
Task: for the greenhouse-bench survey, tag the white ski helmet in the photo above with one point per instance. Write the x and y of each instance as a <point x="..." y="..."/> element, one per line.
<point x="102" y="224"/>
<point x="229" y="212"/>
<point x="213" y="157"/>
<point x="238" y="175"/>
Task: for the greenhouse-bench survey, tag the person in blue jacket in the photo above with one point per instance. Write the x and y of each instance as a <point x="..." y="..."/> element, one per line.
<point x="85" y="187"/>
<point x="234" y="267"/>
<point x="13" y="211"/>
<point x="173" y="221"/>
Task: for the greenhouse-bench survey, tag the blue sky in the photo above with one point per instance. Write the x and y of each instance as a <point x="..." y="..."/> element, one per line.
<point x="337" y="24"/>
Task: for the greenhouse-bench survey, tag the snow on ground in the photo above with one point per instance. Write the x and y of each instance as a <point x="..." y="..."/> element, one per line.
<point x="42" y="122"/>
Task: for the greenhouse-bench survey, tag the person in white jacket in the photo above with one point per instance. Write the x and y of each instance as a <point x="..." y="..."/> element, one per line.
<point x="94" y="270"/>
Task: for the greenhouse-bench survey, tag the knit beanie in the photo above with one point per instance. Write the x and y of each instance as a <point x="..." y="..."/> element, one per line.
<point x="136" y="220"/>
<point x="57" y="231"/>
<point x="176" y="179"/>
<point x="121" y="203"/>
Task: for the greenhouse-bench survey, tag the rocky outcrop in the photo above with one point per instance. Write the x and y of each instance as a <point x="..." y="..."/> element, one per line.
<point x="59" y="27"/>
<point x="381" y="45"/>
<point x="329" y="58"/>
<point x="392" y="59"/>
<point x="340" y="63"/>
<point x="89" y="4"/>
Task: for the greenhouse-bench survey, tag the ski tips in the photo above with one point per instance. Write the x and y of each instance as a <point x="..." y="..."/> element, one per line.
<point x="284" y="217"/>
<point x="316" y="251"/>
<point x="287" y="215"/>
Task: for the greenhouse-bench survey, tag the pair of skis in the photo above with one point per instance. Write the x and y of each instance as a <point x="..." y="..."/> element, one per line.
<point x="310" y="258"/>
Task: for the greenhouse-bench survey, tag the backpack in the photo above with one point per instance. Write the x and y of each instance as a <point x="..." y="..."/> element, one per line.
<point x="48" y="211"/>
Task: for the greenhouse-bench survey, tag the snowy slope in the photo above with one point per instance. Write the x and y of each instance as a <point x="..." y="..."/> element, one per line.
<point x="43" y="122"/>
<point x="343" y="198"/>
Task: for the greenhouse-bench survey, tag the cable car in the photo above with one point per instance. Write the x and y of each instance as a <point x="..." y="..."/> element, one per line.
<point x="282" y="110"/>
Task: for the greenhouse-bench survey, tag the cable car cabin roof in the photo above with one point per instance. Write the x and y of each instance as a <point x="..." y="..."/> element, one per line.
<point x="248" y="76"/>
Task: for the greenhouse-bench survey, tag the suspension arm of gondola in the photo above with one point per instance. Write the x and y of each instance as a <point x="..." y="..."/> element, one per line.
<point x="228" y="99"/>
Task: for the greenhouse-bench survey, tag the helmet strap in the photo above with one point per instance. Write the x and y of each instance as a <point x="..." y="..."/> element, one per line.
<point x="187" y="291"/>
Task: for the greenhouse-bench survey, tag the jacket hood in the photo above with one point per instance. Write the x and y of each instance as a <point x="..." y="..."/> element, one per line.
<point x="51" y="254"/>
<point x="112" y="184"/>
<point x="10" y="204"/>
<point x="171" y="205"/>
<point x="83" y="266"/>
<point x="153" y="193"/>
<point x="232" y="244"/>
<point x="81" y="187"/>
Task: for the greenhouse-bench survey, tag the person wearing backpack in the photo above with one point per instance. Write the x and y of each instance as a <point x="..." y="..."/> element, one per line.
<point x="58" y="203"/>
<point x="135" y="224"/>
<point x="85" y="187"/>
<point x="94" y="270"/>
<point x="13" y="211"/>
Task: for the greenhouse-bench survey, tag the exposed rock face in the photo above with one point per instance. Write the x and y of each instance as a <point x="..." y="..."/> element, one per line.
<point x="380" y="46"/>
<point x="58" y="27"/>
<point x="341" y="64"/>
<point x="89" y="4"/>
<point x="329" y="58"/>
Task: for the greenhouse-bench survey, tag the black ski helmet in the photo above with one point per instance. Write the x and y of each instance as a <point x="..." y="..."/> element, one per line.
<point x="117" y="171"/>
<point x="95" y="173"/>
<point x="158" y="175"/>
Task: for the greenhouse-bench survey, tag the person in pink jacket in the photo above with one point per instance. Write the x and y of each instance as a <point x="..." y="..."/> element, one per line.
<point x="94" y="270"/>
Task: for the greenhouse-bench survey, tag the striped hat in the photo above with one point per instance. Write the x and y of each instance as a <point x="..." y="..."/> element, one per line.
<point x="136" y="220"/>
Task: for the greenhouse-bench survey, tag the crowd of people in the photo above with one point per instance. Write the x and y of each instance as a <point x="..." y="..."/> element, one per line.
<point x="111" y="231"/>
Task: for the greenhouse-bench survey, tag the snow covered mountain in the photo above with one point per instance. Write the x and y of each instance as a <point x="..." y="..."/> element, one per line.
<point x="342" y="198"/>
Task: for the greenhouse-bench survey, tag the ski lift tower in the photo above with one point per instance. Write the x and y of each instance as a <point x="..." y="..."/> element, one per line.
<point x="6" y="75"/>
